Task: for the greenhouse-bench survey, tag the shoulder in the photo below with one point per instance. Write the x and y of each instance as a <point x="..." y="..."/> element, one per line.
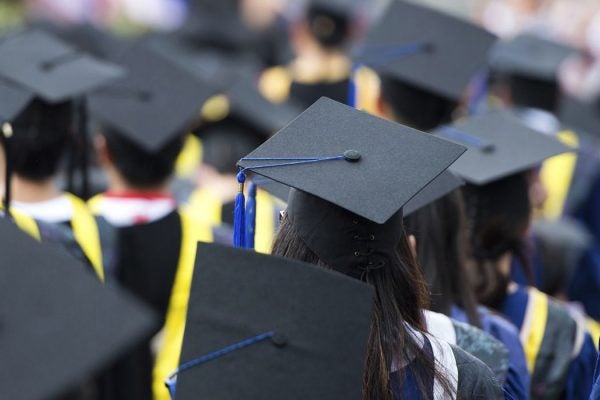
<point x="475" y="379"/>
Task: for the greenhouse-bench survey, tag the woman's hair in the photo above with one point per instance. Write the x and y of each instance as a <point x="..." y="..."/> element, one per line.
<point x="498" y="217"/>
<point x="43" y="132"/>
<point x="139" y="167"/>
<point x="418" y="108"/>
<point x="442" y="248"/>
<point x="400" y="297"/>
<point x="329" y="26"/>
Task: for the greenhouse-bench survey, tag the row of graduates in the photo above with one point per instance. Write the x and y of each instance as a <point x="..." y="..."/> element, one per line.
<point x="352" y="212"/>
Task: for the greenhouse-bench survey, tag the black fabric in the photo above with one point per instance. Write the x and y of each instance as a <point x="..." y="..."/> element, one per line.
<point x="147" y="260"/>
<point x="475" y="380"/>
<point x="507" y="147"/>
<point x="455" y="49"/>
<point x="306" y="94"/>
<point x="321" y="320"/>
<point x="346" y="242"/>
<point x="554" y="358"/>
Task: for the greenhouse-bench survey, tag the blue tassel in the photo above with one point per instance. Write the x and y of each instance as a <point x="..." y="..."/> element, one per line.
<point x="239" y="214"/>
<point x="251" y="216"/>
<point x="352" y="99"/>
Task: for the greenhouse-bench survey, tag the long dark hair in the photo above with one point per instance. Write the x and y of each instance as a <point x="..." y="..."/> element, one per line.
<point x="498" y="218"/>
<point x="442" y="249"/>
<point x="401" y="295"/>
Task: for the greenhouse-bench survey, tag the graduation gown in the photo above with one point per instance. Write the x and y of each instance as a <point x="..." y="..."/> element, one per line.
<point x="84" y="228"/>
<point x="147" y="258"/>
<point x="468" y="377"/>
<point x="558" y="350"/>
<point x="517" y="380"/>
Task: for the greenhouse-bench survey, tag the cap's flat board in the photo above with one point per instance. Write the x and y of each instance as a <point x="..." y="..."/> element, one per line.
<point x="458" y="48"/>
<point x="237" y="294"/>
<point x="396" y="161"/>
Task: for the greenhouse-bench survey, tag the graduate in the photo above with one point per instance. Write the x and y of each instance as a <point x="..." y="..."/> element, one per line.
<point x="43" y="80"/>
<point x="358" y="231"/>
<point x="502" y="153"/>
<point x="438" y="230"/>
<point x="142" y="121"/>
<point x="321" y="67"/>
<point x="565" y="186"/>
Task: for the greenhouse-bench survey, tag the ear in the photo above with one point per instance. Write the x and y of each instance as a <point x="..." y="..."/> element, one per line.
<point x="102" y="152"/>
<point x="412" y="242"/>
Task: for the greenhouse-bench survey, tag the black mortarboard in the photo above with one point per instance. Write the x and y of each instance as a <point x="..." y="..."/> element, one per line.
<point x="374" y="168"/>
<point x="51" y="69"/>
<point x="499" y="145"/>
<point x="268" y="327"/>
<point x="59" y="325"/>
<point x="452" y="50"/>
<point x="441" y="186"/>
<point x="155" y="104"/>
<point x="529" y="56"/>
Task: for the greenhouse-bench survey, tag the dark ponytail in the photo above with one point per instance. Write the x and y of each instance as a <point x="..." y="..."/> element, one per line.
<point x="329" y="26"/>
<point x="400" y="298"/>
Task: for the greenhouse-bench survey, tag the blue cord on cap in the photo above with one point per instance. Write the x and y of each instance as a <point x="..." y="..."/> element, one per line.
<point x="171" y="381"/>
<point x="250" y="216"/>
<point x="467" y="139"/>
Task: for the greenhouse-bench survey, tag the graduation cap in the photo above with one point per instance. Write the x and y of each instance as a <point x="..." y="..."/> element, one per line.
<point x="499" y="145"/>
<point x="58" y="324"/>
<point x="444" y="184"/>
<point x="529" y="56"/>
<point x="426" y="48"/>
<point x="266" y="327"/>
<point x="50" y="68"/>
<point x="364" y="164"/>
<point x="13" y="100"/>
<point x="155" y="104"/>
<point x="347" y="166"/>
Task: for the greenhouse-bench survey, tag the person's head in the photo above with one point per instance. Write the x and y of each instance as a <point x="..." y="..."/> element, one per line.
<point x="442" y="248"/>
<point x="521" y="91"/>
<point x="138" y="168"/>
<point x="413" y="106"/>
<point x="326" y="26"/>
<point x="42" y="133"/>
<point x="318" y="232"/>
<point x="225" y="142"/>
<point x="498" y="215"/>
